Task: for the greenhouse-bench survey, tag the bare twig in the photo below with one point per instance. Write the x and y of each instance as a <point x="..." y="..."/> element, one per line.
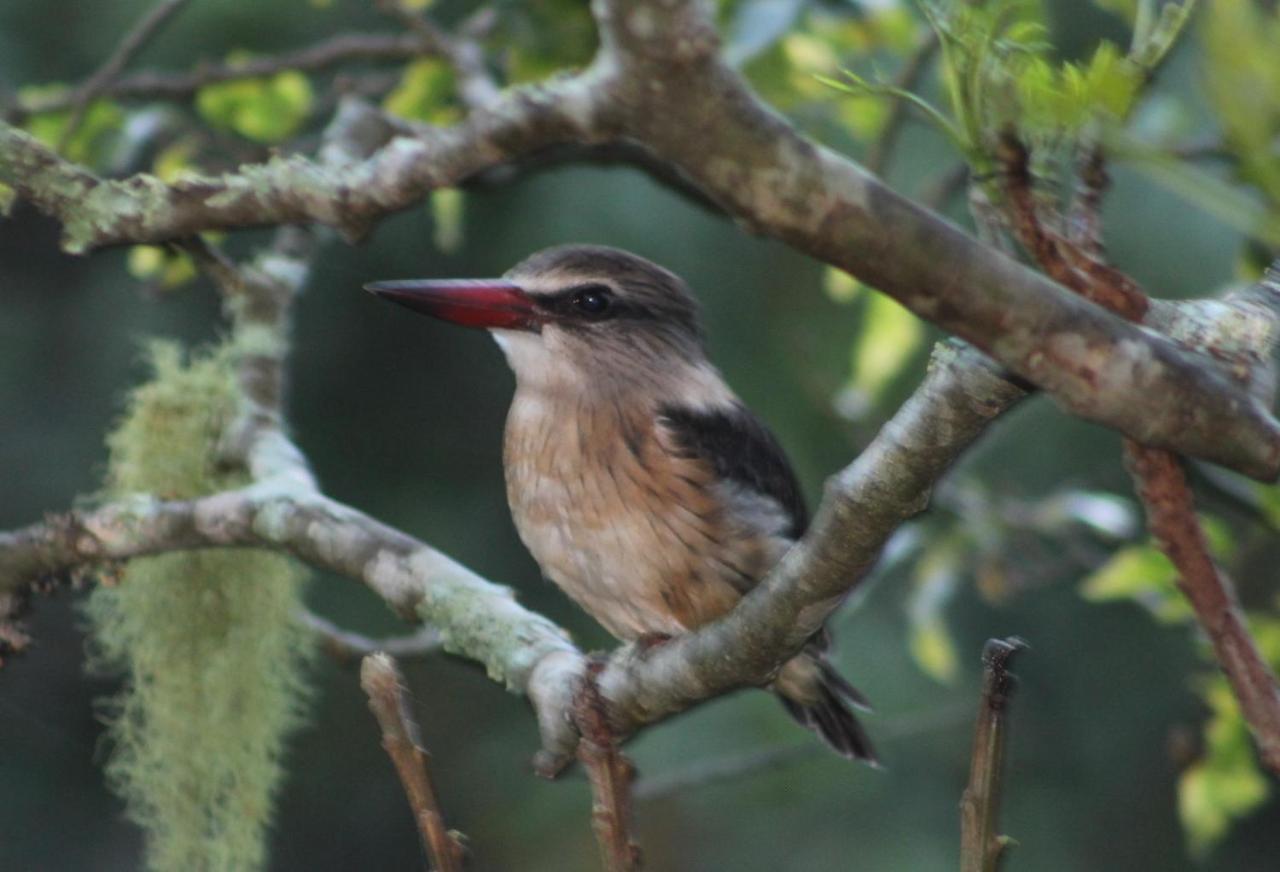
<point x="1158" y="473"/>
<point x="126" y="51"/>
<point x="1063" y="261"/>
<point x="382" y="682"/>
<point x="1162" y="485"/>
<point x="610" y="774"/>
<point x="475" y="86"/>
<point x="981" y="845"/>
<point x="347" y="647"/>
<point x="908" y="77"/>
<point x="702" y="773"/>
<point x="155" y="84"/>
<point x="1084" y="222"/>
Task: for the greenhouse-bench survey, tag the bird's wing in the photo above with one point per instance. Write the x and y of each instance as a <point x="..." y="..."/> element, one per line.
<point x="742" y="451"/>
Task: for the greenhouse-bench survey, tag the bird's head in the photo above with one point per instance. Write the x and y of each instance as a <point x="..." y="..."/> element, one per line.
<point x="570" y="314"/>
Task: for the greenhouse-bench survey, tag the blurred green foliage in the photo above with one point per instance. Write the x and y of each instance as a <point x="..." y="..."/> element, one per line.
<point x="265" y="110"/>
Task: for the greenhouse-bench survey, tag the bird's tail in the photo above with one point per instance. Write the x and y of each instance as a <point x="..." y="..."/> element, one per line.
<point x="820" y="698"/>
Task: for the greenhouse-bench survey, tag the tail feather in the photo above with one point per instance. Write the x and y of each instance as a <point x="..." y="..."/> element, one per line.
<point x="828" y="714"/>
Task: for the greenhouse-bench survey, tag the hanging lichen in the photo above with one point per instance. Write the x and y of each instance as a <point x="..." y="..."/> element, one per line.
<point x="211" y="654"/>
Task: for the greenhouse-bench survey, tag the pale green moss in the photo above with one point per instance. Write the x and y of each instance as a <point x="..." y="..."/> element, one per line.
<point x="213" y="660"/>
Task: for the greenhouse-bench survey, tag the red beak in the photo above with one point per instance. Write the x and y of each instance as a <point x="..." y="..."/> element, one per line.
<point x="486" y="303"/>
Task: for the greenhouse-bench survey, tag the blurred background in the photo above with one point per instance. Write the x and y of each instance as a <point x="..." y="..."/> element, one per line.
<point x="403" y="417"/>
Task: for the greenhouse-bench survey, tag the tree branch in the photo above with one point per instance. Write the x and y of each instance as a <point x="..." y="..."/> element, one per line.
<point x="474" y="617"/>
<point x="475" y="86"/>
<point x="877" y="159"/>
<point x="1158" y="473"/>
<point x="1162" y="486"/>
<point x="889" y="483"/>
<point x="705" y="121"/>
<point x="127" y="50"/>
<point x="383" y="684"/>
<point x="981" y="845"/>
<point x="159" y="85"/>
<point x="347" y="647"/>
<point x="611" y="775"/>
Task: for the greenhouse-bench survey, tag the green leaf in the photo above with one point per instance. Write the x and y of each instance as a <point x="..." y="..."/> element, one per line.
<point x="887" y="340"/>
<point x="1226" y="202"/>
<point x="840" y="286"/>
<point x="98" y="128"/>
<point x="166" y="268"/>
<point x="1225" y="785"/>
<point x="1269" y="500"/>
<point x="266" y="110"/>
<point x="174" y="162"/>
<point x="8" y="196"/>
<point x="1143" y="574"/>
<point x="929" y="641"/>
<point x="447" y="212"/>
<point x="426" y="93"/>
<point x="1126" y="9"/>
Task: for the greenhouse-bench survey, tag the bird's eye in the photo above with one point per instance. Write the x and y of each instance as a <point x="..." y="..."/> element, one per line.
<point x="593" y="300"/>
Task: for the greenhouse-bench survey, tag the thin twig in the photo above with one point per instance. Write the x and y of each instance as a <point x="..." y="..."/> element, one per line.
<point x="154" y="84"/>
<point x="745" y="763"/>
<point x="1061" y="260"/>
<point x="981" y="845"/>
<point x="1162" y="484"/>
<point x="610" y="774"/>
<point x="382" y="682"/>
<point x="128" y="49"/>
<point x="346" y="646"/>
<point x="1158" y="474"/>
<point x="1084" y="221"/>
<point x="908" y="77"/>
<point x="475" y="86"/>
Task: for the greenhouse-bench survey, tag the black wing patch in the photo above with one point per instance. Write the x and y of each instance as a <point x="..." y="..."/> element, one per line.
<point x="740" y="448"/>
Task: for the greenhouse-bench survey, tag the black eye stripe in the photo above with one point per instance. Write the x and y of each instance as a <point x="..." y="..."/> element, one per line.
<point x="593" y="301"/>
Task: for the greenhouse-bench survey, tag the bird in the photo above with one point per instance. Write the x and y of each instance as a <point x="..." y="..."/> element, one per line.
<point x="640" y="483"/>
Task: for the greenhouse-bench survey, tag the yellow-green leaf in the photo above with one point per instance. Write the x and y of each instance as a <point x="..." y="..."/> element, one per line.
<point x="145" y="261"/>
<point x="173" y="163"/>
<point x="889" y="337"/>
<point x="265" y="110"/>
<point x="1143" y="574"/>
<point x="426" y="93"/>
<point x="929" y="642"/>
<point x="102" y="120"/>
<point x="1225" y="785"/>
<point x="933" y="650"/>
<point x="447" y="212"/>
<point x="840" y="286"/>
<point x="166" y="268"/>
